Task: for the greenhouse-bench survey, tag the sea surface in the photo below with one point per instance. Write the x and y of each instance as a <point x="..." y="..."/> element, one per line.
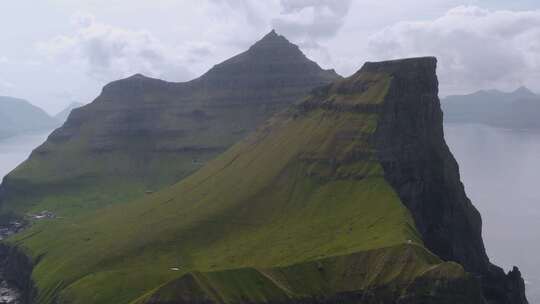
<point x="501" y="172"/>
<point x="14" y="150"/>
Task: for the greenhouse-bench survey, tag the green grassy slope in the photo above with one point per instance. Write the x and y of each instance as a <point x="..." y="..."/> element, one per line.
<point x="304" y="190"/>
<point x="142" y="134"/>
<point x="387" y="274"/>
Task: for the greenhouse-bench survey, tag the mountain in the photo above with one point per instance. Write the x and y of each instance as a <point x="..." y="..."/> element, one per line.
<point x="349" y="196"/>
<point x="141" y="134"/>
<point x="19" y="116"/>
<point x="62" y="116"/>
<point x="515" y="110"/>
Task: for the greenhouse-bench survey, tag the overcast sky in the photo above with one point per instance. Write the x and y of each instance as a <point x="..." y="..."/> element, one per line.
<point x="53" y="52"/>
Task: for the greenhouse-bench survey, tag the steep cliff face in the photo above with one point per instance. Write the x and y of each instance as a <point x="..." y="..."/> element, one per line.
<point x="142" y="134"/>
<point x="349" y="196"/>
<point x="420" y="167"/>
<point x="16" y="269"/>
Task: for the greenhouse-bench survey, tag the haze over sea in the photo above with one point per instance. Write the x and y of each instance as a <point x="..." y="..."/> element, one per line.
<point x="501" y="169"/>
<point x="14" y="150"/>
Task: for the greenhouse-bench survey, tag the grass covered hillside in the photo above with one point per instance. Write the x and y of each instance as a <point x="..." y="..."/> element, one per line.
<point x="300" y="211"/>
<point x="142" y="134"/>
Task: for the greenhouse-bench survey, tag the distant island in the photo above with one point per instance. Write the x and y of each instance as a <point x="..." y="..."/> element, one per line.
<point x="519" y="109"/>
<point x="19" y="116"/>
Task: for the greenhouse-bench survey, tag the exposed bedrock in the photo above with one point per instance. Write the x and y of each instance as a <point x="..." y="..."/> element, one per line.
<point x="419" y="165"/>
<point x="15" y="273"/>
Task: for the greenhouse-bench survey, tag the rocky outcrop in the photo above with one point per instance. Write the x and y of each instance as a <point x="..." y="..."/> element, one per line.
<point x="15" y="275"/>
<point x="418" y="164"/>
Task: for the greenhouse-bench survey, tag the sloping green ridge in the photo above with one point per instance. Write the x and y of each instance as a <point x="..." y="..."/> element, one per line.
<point x="306" y="186"/>
<point x="391" y="270"/>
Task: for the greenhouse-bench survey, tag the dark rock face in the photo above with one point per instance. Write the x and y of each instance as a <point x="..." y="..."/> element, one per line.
<point x="15" y="274"/>
<point x="419" y="165"/>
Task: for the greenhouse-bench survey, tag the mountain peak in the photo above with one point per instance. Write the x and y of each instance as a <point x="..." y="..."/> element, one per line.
<point x="267" y="64"/>
<point x="274" y="40"/>
<point x="138" y="76"/>
<point x="272" y="34"/>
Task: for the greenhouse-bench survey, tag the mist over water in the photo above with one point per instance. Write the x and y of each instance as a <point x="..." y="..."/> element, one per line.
<point x="14" y="150"/>
<point x="501" y="173"/>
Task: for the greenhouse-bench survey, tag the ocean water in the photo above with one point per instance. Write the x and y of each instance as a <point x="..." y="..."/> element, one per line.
<point x="16" y="149"/>
<point x="501" y="172"/>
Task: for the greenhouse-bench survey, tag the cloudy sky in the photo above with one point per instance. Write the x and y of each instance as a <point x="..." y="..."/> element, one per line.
<point x="53" y="52"/>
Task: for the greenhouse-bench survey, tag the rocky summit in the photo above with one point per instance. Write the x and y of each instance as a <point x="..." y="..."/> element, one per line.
<point x="349" y="196"/>
<point x="142" y="134"/>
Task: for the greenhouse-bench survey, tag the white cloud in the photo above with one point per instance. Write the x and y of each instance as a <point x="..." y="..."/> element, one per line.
<point x="106" y="52"/>
<point x="476" y="48"/>
<point x="251" y="12"/>
<point x="306" y="22"/>
<point x="311" y="20"/>
<point x="3" y="59"/>
<point x="81" y="19"/>
<point x="5" y="86"/>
